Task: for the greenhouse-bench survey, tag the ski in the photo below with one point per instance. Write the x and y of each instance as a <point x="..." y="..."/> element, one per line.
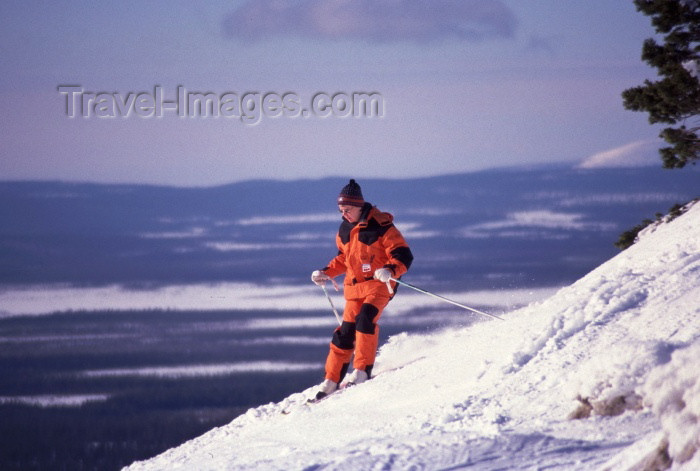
<point x="312" y="400"/>
<point x="316" y="400"/>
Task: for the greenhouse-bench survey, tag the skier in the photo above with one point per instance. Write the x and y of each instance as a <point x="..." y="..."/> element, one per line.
<point x="371" y="251"/>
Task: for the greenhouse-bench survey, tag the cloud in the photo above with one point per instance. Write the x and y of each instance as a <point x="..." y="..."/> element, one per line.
<point x="545" y="44"/>
<point x="635" y="154"/>
<point x="371" y="20"/>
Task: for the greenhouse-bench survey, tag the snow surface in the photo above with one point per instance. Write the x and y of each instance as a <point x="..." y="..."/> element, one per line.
<point x="620" y="349"/>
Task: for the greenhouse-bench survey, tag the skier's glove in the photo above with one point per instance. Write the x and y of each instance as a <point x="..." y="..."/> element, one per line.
<point x="319" y="277"/>
<point x="383" y="275"/>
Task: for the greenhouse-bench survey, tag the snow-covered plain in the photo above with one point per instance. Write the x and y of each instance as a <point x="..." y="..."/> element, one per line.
<point x="619" y="350"/>
<point x="36" y="301"/>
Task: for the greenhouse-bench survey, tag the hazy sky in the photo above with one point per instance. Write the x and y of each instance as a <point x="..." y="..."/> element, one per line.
<point x="460" y="86"/>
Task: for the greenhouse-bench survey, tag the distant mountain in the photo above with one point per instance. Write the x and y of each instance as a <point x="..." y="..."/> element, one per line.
<point x="500" y="228"/>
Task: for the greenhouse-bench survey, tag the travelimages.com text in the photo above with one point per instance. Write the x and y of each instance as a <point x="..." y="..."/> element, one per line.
<point x="248" y="107"/>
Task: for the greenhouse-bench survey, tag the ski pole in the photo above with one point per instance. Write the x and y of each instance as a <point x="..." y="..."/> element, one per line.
<point x="337" y="316"/>
<point x="445" y="299"/>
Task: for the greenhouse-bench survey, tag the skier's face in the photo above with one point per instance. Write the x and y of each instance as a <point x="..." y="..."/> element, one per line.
<point x="351" y="213"/>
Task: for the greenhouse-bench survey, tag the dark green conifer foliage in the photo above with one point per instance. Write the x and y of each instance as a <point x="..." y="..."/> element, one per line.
<point x="675" y="97"/>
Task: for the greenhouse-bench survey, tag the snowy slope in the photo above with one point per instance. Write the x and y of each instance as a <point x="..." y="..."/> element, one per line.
<point x="620" y="349"/>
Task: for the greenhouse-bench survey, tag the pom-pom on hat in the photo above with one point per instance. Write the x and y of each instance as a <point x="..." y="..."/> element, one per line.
<point x="351" y="195"/>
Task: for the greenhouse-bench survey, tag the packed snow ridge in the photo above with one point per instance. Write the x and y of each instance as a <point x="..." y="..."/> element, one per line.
<point x="604" y="375"/>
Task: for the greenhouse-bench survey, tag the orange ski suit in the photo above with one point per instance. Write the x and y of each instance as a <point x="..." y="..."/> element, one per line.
<point x="372" y="243"/>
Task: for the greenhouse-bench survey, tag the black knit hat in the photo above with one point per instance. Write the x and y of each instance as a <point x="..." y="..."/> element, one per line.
<point x="351" y="195"/>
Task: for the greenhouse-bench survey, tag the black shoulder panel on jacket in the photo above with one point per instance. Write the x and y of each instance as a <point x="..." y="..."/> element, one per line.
<point x="373" y="231"/>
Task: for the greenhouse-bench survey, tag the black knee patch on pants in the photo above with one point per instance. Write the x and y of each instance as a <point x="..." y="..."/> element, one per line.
<point x="365" y="318"/>
<point x="344" y="336"/>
